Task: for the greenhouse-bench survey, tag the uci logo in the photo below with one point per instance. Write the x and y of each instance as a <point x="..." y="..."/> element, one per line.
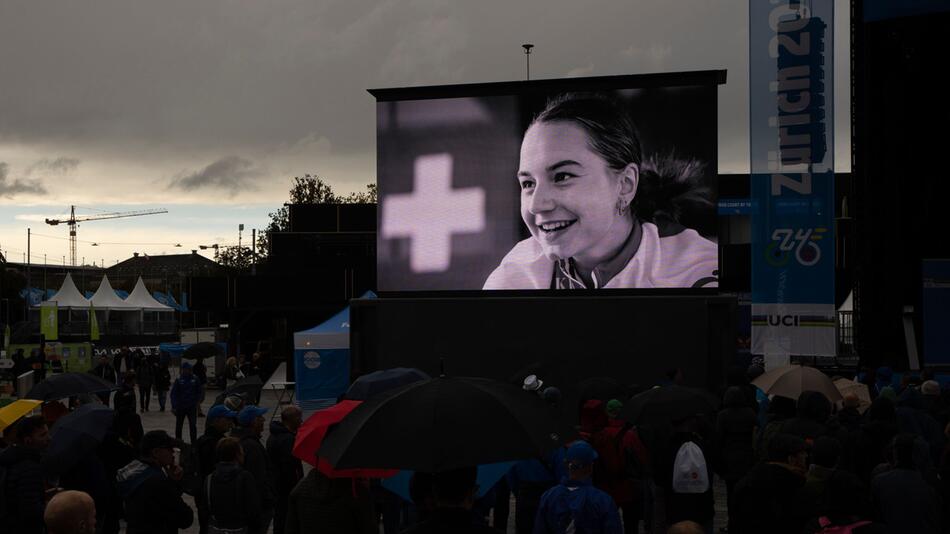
<point x="783" y="320"/>
<point x="311" y="359"/>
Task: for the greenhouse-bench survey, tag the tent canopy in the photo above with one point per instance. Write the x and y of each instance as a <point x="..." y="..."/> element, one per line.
<point x="140" y="298"/>
<point x="106" y="299"/>
<point x="334" y="333"/>
<point x="68" y="296"/>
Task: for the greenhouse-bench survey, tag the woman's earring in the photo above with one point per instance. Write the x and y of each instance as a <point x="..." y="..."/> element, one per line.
<point x="621" y="207"/>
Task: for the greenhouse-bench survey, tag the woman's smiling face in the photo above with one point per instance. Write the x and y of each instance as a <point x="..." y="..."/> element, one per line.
<point x="569" y="195"/>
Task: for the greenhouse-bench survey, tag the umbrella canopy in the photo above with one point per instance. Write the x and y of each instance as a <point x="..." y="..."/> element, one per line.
<point x="377" y="382"/>
<point x="202" y="350"/>
<point x="60" y="386"/>
<point x="249" y="387"/>
<point x="601" y="388"/>
<point x="670" y="403"/>
<point x="487" y="476"/>
<point x="445" y="423"/>
<point x="76" y="434"/>
<point x="860" y="390"/>
<point x="311" y="434"/>
<point x="10" y="413"/>
<point x="792" y="380"/>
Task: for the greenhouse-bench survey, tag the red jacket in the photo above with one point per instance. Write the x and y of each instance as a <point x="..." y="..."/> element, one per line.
<point x="614" y="481"/>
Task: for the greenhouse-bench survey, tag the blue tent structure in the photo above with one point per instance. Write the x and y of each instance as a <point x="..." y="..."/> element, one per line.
<point x="322" y="361"/>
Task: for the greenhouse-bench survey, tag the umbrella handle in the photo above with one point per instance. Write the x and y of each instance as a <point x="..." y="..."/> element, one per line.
<point x="441" y="367"/>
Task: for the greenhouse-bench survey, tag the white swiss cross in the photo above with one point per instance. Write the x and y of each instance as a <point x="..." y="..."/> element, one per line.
<point x="432" y="213"/>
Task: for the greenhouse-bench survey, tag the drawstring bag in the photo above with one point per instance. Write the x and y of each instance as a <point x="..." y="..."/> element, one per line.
<point x="689" y="470"/>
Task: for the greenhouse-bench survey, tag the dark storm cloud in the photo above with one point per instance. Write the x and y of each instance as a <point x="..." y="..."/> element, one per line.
<point x="10" y="188"/>
<point x="232" y="174"/>
<point x="59" y="165"/>
<point x="213" y="76"/>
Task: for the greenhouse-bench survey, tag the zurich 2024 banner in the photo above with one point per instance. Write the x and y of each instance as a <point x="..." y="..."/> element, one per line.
<point x="792" y="166"/>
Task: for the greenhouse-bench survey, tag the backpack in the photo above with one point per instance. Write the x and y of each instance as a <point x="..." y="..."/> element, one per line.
<point x="617" y="464"/>
<point x="828" y="528"/>
<point x="689" y="470"/>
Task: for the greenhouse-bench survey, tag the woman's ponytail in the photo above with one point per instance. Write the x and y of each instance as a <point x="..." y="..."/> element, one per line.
<point x="671" y="191"/>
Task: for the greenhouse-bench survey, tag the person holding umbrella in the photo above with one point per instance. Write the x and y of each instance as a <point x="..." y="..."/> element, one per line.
<point x="106" y="372"/>
<point x="25" y="479"/>
<point x="575" y="504"/>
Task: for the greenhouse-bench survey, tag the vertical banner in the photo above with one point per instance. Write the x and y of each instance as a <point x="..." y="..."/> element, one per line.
<point x="93" y="324"/>
<point x="791" y="131"/>
<point x="49" y="324"/>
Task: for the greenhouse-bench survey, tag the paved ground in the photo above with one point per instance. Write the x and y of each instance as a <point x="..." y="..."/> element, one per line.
<point x="155" y="420"/>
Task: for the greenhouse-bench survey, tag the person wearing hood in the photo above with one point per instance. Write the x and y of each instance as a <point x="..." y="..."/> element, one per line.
<point x="220" y="421"/>
<point x="813" y="410"/>
<point x="769" y="498"/>
<point x="735" y="430"/>
<point x="287" y="468"/>
<point x="330" y="506"/>
<point x="622" y="468"/>
<point x="150" y="488"/>
<point x="251" y="425"/>
<point x="874" y="437"/>
<point x="232" y="494"/>
<point x="25" y="479"/>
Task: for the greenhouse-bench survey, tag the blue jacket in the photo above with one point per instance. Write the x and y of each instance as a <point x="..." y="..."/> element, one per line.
<point x="591" y="510"/>
<point x="186" y="391"/>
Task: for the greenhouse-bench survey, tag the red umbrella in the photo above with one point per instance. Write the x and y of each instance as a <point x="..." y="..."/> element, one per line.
<point x="310" y="437"/>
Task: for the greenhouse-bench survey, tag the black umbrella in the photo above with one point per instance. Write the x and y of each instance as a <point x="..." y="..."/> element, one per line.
<point x="249" y="387"/>
<point x="600" y="387"/>
<point x="671" y="403"/>
<point x="445" y="423"/>
<point x="62" y="385"/>
<point x="76" y="434"/>
<point x="202" y="350"/>
<point x="377" y="382"/>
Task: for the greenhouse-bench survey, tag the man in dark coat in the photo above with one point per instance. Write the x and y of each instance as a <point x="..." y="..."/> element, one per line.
<point x="251" y="426"/>
<point x="145" y="376"/>
<point x="150" y="488"/>
<point x="769" y="498"/>
<point x="735" y="430"/>
<point x="162" y="380"/>
<point x="813" y="410"/>
<point x="185" y="395"/>
<point x="106" y="372"/>
<point x="287" y="468"/>
<point x="330" y="506"/>
<point x="902" y="499"/>
<point x="25" y="480"/>
<point x="125" y="397"/>
<point x="454" y="498"/>
<point x="220" y="421"/>
<point x="232" y="493"/>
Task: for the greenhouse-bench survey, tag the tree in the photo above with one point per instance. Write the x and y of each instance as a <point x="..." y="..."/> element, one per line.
<point x="240" y="258"/>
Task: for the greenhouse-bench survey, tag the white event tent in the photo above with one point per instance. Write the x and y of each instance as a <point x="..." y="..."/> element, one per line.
<point x="68" y="296"/>
<point x="141" y="299"/>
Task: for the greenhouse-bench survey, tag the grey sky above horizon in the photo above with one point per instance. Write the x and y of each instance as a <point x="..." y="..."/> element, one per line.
<point x="211" y="108"/>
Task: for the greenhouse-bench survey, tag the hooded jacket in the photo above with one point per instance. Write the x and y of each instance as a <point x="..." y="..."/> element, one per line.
<point x="234" y="500"/>
<point x="255" y="462"/>
<point x="330" y="506"/>
<point x="735" y="427"/>
<point x="153" y="503"/>
<point x="287" y="468"/>
<point x="24" y="491"/>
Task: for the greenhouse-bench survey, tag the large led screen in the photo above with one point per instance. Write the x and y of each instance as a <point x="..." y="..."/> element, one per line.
<point x="561" y="184"/>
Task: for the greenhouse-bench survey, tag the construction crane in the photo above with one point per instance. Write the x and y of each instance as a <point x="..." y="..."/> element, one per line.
<point x="73" y="220"/>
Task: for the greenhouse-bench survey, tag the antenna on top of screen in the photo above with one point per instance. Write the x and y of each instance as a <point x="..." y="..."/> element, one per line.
<point x="527" y="58"/>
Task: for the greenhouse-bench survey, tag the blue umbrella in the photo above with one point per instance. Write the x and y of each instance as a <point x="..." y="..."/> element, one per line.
<point x="76" y="434"/>
<point x="377" y="382"/>
<point x="488" y="475"/>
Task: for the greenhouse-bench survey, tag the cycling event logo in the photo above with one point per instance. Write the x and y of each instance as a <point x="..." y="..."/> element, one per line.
<point x="801" y="244"/>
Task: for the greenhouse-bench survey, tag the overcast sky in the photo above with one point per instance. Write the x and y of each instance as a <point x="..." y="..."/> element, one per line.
<point x="210" y="108"/>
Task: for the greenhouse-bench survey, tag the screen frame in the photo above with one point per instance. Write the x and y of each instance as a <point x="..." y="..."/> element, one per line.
<point x="552" y="85"/>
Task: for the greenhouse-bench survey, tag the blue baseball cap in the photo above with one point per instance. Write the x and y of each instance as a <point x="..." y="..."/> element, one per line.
<point x="581" y="453"/>
<point x="249" y="413"/>
<point x="221" y="411"/>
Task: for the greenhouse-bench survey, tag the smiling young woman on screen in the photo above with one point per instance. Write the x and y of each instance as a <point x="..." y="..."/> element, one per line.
<point x="601" y="216"/>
